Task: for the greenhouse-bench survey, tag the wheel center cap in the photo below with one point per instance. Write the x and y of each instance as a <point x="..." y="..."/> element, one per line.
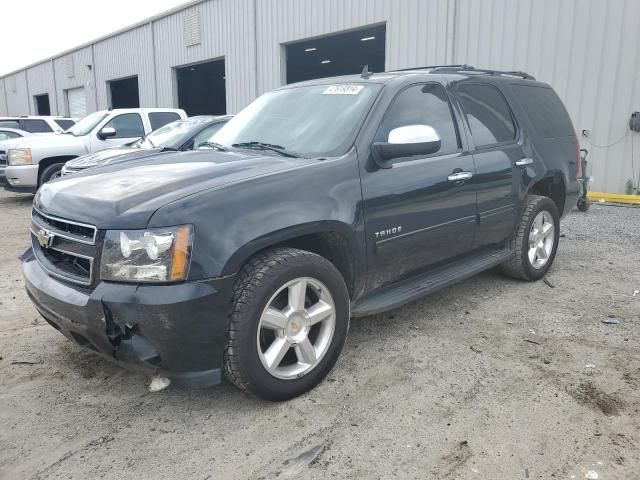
<point x="297" y="323"/>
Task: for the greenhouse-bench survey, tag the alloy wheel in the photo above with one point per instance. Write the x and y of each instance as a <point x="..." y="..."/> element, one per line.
<point x="541" y="239"/>
<point x="296" y="328"/>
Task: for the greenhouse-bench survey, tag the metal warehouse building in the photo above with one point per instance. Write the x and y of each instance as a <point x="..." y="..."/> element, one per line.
<point x="215" y="56"/>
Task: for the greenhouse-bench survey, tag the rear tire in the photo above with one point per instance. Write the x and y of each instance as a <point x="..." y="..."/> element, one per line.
<point x="534" y="246"/>
<point x="51" y="172"/>
<point x="288" y="323"/>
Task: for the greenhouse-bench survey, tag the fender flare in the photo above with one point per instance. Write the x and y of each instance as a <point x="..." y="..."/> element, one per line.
<point x="235" y="262"/>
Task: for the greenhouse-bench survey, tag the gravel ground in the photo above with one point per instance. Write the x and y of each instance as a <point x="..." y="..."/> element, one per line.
<point x="444" y="388"/>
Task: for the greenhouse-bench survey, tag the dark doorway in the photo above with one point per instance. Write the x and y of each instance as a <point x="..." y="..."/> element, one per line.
<point x="124" y="93"/>
<point x="42" y="104"/>
<point x="339" y="54"/>
<point x="201" y="88"/>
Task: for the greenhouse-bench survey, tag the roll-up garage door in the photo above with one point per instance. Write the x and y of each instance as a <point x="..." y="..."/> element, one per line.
<point x="77" y="102"/>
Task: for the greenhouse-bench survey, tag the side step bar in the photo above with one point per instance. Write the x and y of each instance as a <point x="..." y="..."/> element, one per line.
<point x="413" y="288"/>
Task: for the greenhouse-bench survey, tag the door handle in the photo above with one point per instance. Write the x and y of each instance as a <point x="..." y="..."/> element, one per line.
<point x="460" y="176"/>
<point x="523" y="162"/>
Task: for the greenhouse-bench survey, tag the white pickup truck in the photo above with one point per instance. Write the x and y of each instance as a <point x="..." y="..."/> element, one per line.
<point x="34" y="160"/>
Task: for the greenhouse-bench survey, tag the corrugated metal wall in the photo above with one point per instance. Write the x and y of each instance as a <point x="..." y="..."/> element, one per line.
<point x="125" y="55"/>
<point x="586" y="49"/>
<point x="226" y="31"/>
<point x="3" y="98"/>
<point x="416" y="30"/>
<point x="72" y="71"/>
<point x="17" y="93"/>
<point x="40" y="81"/>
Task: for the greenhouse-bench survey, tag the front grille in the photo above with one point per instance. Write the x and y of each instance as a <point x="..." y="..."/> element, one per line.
<point x="65" y="248"/>
<point x="3" y="158"/>
<point x="80" y="232"/>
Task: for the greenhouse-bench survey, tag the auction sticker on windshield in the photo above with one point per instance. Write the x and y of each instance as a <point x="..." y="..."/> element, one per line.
<point x="343" y="90"/>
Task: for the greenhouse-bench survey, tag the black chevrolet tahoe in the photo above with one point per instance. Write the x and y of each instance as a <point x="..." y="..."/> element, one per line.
<point x="320" y="201"/>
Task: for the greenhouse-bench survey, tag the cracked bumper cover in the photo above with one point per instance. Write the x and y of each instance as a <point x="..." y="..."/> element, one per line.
<point x="177" y="331"/>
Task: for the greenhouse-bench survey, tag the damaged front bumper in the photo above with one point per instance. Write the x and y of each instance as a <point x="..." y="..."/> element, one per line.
<point x="177" y="331"/>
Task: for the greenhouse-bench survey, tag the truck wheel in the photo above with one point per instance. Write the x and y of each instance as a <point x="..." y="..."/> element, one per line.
<point x="535" y="244"/>
<point x="583" y="204"/>
<point x="288" y="323"/>
<point x="51" y="172"/>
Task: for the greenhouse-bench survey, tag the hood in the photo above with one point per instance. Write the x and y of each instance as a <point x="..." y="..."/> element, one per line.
<point x="46" y="141"/>
<point x="109" y="156"/>
<point x="6" y="144"/>
<point x="126" y="196"/>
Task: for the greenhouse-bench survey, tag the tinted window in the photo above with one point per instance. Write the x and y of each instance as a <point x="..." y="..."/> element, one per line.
<point x="5" y="135"/>
<point x="206" y="134"/>
<point x="9" y="124"/>
<point x="488" y="114"/>
<point x="36" y="126"/>
<point x="422" y="105"/>
<point x="160" y="119"/>
<point x="127" y="125"/>
<point x="64" y="124"/>
<point x="545" y="110"/>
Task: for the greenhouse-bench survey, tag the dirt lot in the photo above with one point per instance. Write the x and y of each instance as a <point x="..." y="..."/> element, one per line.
<point x="446" y="387"/>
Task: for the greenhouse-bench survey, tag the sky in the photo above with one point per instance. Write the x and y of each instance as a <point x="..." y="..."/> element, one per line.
<point x="37" y="29"/>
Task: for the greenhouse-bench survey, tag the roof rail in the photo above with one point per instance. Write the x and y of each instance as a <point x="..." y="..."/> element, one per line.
<point x="431" y="67"/>
<point x="470" y="68"/>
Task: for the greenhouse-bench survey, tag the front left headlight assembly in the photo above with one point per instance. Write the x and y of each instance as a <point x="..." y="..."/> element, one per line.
<point x="155" y="255"/>
<point x="19" y="156"/>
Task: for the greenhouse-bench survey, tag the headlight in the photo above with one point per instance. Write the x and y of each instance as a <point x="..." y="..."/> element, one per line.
<point x="19" y="156"/>
<point x="156" y="255"/>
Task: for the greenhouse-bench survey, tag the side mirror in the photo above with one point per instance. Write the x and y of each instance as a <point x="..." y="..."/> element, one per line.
<point x="407" y="141"/>
<point x="106" y="132"/>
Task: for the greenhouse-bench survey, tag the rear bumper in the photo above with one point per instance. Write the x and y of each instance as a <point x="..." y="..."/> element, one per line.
<point x="23" y="178"/>
<point x="177" y="331"/>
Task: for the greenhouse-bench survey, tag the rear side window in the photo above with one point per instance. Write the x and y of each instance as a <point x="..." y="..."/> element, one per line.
<point x="127" y="125"/>
<point x="488" y="114"/>
<point x="425" y="104"/>
<point x="160" y="119"/>
<point x="545" y="110"/>
<point x="36" y="126"/>
<point x="64" y="124"/>
<point x="10" y="124"/>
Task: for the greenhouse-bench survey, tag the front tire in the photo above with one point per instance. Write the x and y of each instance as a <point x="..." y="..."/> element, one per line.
<point x="535" y="244"/>
<point x="288" y="324"/>
<point x="51" y="172"/>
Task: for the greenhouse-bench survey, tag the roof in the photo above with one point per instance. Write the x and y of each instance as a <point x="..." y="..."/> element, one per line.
<point x="37" y="117"/>
<point x="207" y="118"/>
<point x="385" y="77"/>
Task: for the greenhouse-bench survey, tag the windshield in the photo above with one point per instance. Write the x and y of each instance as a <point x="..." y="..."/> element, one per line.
<point x="172" y="135"/>
<point x="87" y="124"/>
<point x="313" y="121"/>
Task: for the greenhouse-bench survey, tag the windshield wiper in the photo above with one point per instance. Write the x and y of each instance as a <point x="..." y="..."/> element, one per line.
<point x="169" y="149"/>
<point x="215" y="145"/>
<point x="266" y="146"/>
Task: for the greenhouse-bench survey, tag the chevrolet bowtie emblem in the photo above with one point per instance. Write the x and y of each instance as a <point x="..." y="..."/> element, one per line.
<point x="45" y="238"/>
